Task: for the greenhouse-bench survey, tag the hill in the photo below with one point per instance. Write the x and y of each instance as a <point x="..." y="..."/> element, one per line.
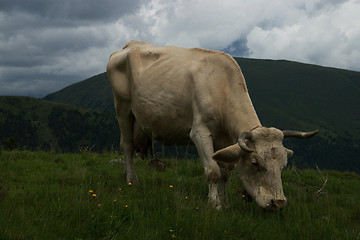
<point x="94" y="93"/>
<point x="303" y="96"/>
<point x="287" y="95"/>
<point x="29" y="123"/>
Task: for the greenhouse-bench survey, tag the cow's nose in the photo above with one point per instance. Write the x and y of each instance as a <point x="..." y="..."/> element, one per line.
<point x="277" y="204"/>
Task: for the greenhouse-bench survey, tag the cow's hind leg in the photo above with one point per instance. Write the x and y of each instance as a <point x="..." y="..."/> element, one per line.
<point x="126" y="122"/>
<point x="200" y="135"/>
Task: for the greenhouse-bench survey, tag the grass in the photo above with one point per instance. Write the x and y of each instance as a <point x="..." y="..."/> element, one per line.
<point x="47" y="196"/>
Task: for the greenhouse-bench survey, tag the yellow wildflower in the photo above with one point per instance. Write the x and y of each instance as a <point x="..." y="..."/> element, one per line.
<point x="126" y="205"/>
<point x="91" y="191"/>
<point x="129" y="183"/>
<point x="94" y="195"/>
<point x="99" y="205"/>
<point x="171" y="186"/>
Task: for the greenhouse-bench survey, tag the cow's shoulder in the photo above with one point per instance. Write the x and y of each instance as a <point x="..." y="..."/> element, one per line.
<point x="215" y="58"/>
<point x="214" y="61"/>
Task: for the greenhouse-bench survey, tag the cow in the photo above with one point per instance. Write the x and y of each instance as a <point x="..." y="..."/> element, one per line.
<point x="171" y="94"/>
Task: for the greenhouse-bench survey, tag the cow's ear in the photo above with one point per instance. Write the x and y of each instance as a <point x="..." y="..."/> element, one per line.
<point x="229" y="154"/>
<point x="289" y="152"/>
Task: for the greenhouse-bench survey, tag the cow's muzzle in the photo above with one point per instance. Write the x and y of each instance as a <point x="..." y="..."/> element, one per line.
<point x="276" y="204"/>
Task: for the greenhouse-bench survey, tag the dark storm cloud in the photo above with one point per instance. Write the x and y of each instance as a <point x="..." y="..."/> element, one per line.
<point x="28" y="83"/>
<point x="68" y="11"/>
<point x="46" y="45"/>
<point x="42" y="42"/>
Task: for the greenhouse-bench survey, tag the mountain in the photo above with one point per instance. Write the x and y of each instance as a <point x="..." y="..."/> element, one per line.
<point x="94" y="93"/>
<point x="303" y="96"/>
<point x="29" y="123"/>
<point x="287" y="95"/>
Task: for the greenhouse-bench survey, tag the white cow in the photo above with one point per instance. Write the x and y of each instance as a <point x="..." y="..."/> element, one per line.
<point x="172" y="94"/>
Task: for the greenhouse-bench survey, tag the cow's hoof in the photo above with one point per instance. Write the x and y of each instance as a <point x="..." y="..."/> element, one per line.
<point x="215" y="203"/>
<point x="132" y="180"/>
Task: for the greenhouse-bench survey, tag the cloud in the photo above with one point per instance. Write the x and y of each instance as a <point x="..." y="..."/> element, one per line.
<point x="319" y="32"/>
<point x="328" y="37"/>
<point x="47" y="45"/>
<point x="208" y="24"/>
<point x="68" y="12"/>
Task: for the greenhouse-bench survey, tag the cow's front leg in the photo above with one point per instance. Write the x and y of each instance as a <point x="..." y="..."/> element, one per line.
<point x="222" y="186"/>
<point x="201" y="136"/>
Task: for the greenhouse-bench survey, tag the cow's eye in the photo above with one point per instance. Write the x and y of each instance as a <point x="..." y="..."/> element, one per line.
<point x="254" y="163"/>
<point x="258" y="163"/>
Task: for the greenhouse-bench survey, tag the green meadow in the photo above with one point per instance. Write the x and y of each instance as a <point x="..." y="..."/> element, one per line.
<point x="45" y="195"/>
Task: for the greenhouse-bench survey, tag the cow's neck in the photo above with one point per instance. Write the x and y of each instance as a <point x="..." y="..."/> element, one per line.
<point x="239" y="117"/>
<point x="244" y="120"/>
<point x="241" y="113"/>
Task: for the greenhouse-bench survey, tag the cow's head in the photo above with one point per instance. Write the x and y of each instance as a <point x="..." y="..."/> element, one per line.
<point x="259" y="157"/>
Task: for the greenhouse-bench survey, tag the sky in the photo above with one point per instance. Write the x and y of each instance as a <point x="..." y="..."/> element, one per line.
<point x="46" y="45"/>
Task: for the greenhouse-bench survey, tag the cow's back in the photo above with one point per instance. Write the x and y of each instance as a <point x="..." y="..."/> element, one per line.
<point x="161" y="84"/>
<point x="162" y="91"/>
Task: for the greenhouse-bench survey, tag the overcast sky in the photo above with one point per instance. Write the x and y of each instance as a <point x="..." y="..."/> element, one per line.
<point x="46" y="45"/>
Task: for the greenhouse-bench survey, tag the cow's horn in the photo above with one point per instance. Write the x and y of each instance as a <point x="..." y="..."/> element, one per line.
<point x="297" y="134"/>
<point x="242" y="143"/>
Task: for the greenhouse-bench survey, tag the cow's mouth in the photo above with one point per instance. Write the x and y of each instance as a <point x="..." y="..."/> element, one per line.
<point x="275" y="205"/>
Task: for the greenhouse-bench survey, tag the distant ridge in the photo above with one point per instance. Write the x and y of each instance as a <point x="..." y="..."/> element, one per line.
<point x="33" y="124"/>
<point x="287" y="95"/>
<point x="93" y="93"/>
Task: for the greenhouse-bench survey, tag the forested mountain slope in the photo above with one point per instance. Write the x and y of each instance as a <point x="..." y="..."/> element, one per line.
<point x="29" y="123"/>
<point x="286" y="95"/>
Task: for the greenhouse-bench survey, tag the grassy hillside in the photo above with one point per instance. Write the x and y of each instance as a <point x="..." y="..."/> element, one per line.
<point x="29" y="123"/>
<point x="93" y="93"/>
<point x="290" y="94"/>
<point x="47" y="196"/>
<point x="287" y="95"/>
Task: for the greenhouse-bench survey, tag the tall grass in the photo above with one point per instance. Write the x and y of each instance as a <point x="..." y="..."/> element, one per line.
<point x="47" y="196"/>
